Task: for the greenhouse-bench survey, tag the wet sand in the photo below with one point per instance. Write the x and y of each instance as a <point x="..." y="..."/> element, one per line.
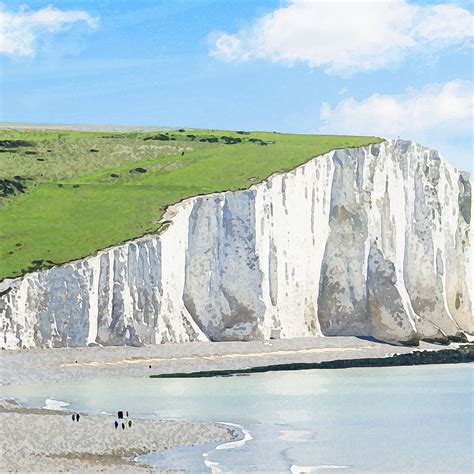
<point x="43" y="440"/>
<point x="114" y="362"/>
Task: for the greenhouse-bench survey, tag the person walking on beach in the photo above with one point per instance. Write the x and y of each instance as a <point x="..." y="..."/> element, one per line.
<point x="116" y="424"/>
<point x="77" y="416"/>
<point x="123" y="426"/>
<point x="120" y="415"/>
<point x="73" y="417"/>
<point x="129" y="423"/>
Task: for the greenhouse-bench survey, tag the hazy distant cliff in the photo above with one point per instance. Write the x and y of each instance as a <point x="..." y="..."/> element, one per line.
<point x="373" y="241"/>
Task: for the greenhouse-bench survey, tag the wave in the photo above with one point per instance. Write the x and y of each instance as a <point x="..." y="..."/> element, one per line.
<point x="240" y="442"/>
<point x="295" y="469"/>
<point x="52" y="404"/>
<point x="246" y="436"/>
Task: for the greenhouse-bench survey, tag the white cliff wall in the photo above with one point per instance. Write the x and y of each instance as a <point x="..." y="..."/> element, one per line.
<point x="373" y="241"/>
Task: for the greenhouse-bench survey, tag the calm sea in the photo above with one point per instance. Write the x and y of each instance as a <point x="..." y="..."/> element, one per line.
<point x="398" y="419"/>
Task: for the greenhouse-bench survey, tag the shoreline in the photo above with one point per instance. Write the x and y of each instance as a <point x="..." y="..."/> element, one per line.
<point x="46" y="440"/>
<point x="87" y="363"/>
<point x="461" y="355"/>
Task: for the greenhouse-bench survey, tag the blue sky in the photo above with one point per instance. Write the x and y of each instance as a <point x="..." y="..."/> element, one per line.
<point x="404" y="69"/>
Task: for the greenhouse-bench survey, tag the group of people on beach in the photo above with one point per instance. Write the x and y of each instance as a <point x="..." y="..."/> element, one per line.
<point x="121" y="421"/>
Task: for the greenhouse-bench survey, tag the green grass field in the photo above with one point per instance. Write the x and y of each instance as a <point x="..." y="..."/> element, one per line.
<point x="64" y="194"/>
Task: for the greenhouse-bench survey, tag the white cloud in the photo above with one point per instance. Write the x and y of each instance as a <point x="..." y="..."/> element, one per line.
<point x="439" y="115"/>
<point x="19" y="32"/>
<point x="436" y="106"/>
<point x="347" y="36"/>
<point x="446" y="23"/>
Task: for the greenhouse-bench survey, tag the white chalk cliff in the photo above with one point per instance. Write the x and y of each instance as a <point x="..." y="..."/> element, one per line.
<point x="371" y="241"/>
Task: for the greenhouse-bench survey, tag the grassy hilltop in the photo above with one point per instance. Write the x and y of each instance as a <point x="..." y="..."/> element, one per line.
<point x="66" y="194"/>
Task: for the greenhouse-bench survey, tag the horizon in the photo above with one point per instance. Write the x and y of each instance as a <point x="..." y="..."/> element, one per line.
<point x="150" y="128"/>
<point x="260" y="65"/>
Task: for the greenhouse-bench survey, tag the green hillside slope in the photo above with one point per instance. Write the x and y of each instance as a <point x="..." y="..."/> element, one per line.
<point x="64" y="194"/>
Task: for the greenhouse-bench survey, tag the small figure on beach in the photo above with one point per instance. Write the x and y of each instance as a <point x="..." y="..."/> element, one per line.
<point x="116" y="424"/>
<point x="120" y="415"/>
<point x="129" y="423"/>
<point x="77" y="416"/>
<point x="73" y="417"/>
<point x="127" y="414"/>
<point x="123" y="426"/>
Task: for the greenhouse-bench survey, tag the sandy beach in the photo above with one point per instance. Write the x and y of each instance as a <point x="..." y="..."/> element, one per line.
<point x="87" y="363"/>
<point x="44" y="440"/>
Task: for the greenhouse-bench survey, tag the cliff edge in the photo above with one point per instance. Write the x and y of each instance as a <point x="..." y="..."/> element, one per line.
<point x="371" y="241"/>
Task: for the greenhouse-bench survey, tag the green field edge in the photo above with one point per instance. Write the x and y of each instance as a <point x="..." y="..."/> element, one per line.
<point x="163" y="225"/>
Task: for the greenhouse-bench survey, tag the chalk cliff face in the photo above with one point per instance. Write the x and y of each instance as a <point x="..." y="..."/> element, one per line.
<point x="373" y="241"/>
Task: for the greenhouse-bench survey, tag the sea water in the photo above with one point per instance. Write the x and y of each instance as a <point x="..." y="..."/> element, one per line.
<point x="395" y="419"/>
